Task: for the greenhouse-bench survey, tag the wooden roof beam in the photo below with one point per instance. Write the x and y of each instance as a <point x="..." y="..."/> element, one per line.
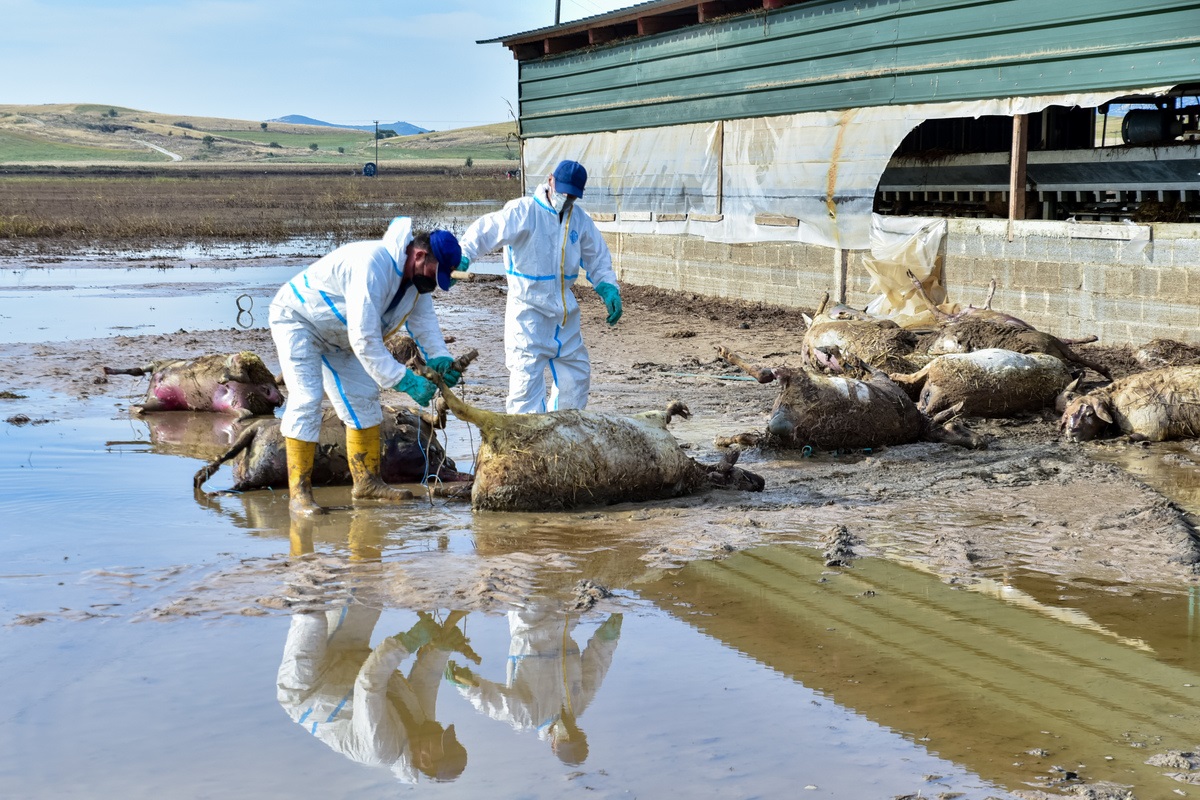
<point x="665" y="22"/>
<point x="561" y="44"/>
<point x="714" y="9"/>
<point x="610" y="33"/>
<point x="526" y="50"/>
<point x="601" y="35"/>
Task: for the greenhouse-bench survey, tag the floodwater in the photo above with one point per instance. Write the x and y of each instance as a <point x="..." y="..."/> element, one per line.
<point x="136" y="660"/>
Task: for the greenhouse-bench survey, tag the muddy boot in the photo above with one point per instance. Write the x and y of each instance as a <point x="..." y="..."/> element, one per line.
<point x="300" y="535"/>
<point x="300" y="457"/>
<point x="362" y="451"/>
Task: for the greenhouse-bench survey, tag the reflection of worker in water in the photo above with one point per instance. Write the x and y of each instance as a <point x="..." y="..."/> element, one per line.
<point x="550" y="683"/>
<point x="354" y="698"/>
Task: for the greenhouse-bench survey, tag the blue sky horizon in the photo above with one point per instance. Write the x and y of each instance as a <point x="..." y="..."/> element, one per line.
<point x="413" y="61"/>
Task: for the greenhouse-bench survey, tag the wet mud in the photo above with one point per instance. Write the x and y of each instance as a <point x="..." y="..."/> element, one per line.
<point x="1025" y="614"/>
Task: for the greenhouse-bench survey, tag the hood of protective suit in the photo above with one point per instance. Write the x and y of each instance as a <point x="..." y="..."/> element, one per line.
<point x="542" y="192"/>
<point x="397" y="237"/>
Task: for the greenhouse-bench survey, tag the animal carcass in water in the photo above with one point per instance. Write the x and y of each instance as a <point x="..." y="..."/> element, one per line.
<point x="411" y="453"/>
<point x="988" y="383"/>
<point x="837" y="413"/>
<point x="982" y="329"/>
<point x="239" y="383"/>
<point x="1155" y="405"/>
<point x="565" y="459"/>
<point x="839" y="336"/>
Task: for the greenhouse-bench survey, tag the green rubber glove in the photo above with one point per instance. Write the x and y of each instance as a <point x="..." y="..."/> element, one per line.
<point x="459" y="676"/>
<point x="611" y="628"/>
<point x="463" y="266"/>
<point x="416" y="387"/>
<point x="419" y="635"/>
<point x="612" y="301"/>
<point x="444" y="366"/>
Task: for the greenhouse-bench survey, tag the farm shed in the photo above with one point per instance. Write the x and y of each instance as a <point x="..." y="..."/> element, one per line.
<point x="776" y="149"/>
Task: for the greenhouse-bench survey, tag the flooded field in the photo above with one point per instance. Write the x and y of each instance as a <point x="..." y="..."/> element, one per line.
<point x="158" y="642"/>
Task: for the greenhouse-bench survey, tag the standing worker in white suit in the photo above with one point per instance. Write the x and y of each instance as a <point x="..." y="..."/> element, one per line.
<point x="548" y="238"/>
<point x="329" y="324"/>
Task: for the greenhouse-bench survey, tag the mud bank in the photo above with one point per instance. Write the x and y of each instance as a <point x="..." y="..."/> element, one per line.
<point x="1027" y="503"/>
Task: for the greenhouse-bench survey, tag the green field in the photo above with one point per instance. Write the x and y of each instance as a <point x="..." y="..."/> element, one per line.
<point x="49" y="135"/>
<point x="18" y="149"/>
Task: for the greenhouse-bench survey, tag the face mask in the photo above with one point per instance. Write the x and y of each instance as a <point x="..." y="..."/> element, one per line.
<point x="559" y="200"/>
<point x="424" y="283"/>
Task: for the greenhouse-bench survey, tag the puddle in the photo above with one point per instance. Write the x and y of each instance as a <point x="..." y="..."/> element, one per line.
<point x="61" y="303"/>
<point x="995" y="681"/>
<point x="64" y="303"/>
<point x="756" y="675"/>
<point x="1170" y="467"/>
<point x="302" y="247"/>
<point x="180" y="645"/>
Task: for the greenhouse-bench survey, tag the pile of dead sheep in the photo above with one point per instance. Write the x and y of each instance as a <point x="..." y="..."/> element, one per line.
<point x="866" y="382"/>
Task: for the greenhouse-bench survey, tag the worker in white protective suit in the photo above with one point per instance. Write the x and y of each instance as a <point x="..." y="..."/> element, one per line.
<point x="547" y="238"/>
<point x="329" y="324"/>
<point x="354" y="698"/>
<point x="550" y="683"/>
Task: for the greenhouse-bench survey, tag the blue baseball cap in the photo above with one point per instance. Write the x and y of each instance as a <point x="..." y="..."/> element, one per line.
<point x="448" y="254"/>
<point x="570" y="177"/>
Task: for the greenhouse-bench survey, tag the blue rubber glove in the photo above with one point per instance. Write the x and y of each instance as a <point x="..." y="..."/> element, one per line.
<point x="444" y="366"/>
<point x="612" y="301"/>
<point x="416" y="387"/>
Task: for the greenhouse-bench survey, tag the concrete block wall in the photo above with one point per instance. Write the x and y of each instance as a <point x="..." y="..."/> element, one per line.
<point x="1072" y="286"/>
<point x="1048" y="275"/>
<point x="779" y="273"/>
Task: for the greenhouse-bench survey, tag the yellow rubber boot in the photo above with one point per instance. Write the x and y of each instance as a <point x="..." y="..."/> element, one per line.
<point x="300" y="455"/>
<point x="362" y="451"/>
<point x="301" y="536"/>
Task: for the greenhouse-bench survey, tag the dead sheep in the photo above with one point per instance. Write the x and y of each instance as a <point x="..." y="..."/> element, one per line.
<point x="988" y="383"/>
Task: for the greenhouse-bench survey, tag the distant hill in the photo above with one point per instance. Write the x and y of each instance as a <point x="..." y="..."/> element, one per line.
<point x="401" y="128"/>
<point x="91" y="134"/>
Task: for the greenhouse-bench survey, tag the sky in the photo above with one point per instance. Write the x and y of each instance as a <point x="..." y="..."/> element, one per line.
<point x="350" y="62"/>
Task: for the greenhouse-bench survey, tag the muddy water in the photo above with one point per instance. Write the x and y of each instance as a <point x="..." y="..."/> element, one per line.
<point x="1171" y="467"/>
<point x="87" y="302"/>
<point x="155" y="643"/>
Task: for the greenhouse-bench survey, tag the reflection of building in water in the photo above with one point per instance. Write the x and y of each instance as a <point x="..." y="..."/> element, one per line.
<point x="354" y="698"/>
<point x="550" y="682"/>
<point x="1008" y="686"/>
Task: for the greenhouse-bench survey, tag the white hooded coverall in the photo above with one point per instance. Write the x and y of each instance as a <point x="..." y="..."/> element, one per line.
<point x="348" y="694"/>
<point x="329" y="323"/>
<point x="547" y="673"/>
<point x="543" y="256"/>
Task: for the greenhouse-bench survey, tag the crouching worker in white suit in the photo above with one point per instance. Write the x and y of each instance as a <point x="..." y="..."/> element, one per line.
<point x="354" y="698"/>
<point x="329" y="324"/>
<point x="550" y="683"/>
<point x="547" y="238"/>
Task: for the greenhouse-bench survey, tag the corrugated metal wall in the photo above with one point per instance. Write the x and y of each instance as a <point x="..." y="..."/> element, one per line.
<point x="836" y="55"/>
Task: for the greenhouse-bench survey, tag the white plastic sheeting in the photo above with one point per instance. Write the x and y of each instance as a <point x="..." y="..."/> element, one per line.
<point x="820" y="168"/>
<point x="671" y="170"/>
<point x="900" y="245"/>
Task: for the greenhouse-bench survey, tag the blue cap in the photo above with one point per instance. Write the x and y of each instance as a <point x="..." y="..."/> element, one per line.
<point x="570" y="177"/>
<point x="448" y="254"/>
